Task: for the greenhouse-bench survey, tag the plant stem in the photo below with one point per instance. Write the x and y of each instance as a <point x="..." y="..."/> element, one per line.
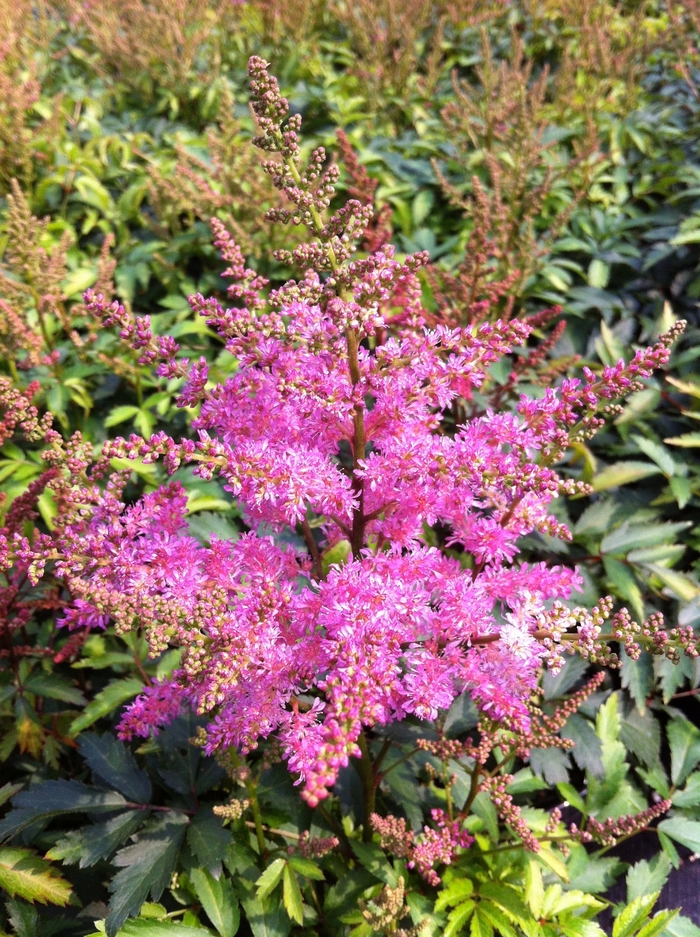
<point x="366" y="772"/>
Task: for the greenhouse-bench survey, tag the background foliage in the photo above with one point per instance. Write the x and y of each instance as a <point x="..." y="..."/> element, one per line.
<point x="545" y="152"/>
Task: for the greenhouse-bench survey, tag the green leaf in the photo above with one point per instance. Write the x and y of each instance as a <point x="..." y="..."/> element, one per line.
<point x="690" y="795"/>
<point x="23" y="917"/>
<point x="306" y="867"/>
<point x="480" y="926"/>
<point x="587" y="746"/>
<point x="624" y="581"/>
<point x="570" y="795"/>
<point x="658" y="923"/>
<point x="208" y="839"/>
<point x="54" y="686"/>
<point x="109" y="699"/>
<point x="507" y="899"/>
<point x="679" y="584"/>
<point x="218" y="900"/>
<point x="25" y="874"/>
<point x="559" y="684"/>
<point x="291" y="895"/>
<point x="78" y="281"/>
<point x="634" y="536"/>
<point x="112" y="762"/>
<point x="145" y="927"/>
<point x="54" y="798"/>
<point x="266" y="918"/>
<point x="641" y="734"/>
<point x="457" y="891"/>
<point x="336" y="555"/>
<point x="270" y="878"/>
<point x="622" y="473"/>
<point x="657" y="453"/>
<point x="684" y="740"/>
<point x="120" y="415"/>
<point x="681" y="926"/>
<point x="98" y="841"/>
<point x="638" y="678"/>
<point x="598" y="274"/>
<point x="146" y="868"/>
<point x="685" y="441"/>
<point x="669" y="849"/>
<point x="459" y="917"/>
<point x="634" y="915"/>
<point x="684" y="831"/>
<point x="9" y="790"/>
<point x="375" y="861"/>
<point x="645" y="878"/>
<point x="497" y="918"/>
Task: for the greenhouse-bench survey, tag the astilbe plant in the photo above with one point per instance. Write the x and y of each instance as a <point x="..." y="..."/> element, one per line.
<point x="523" y="187"/>
<point x="341" y="439"/>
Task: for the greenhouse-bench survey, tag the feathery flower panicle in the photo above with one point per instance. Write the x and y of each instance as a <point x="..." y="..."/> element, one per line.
<point x="342" y="439"/>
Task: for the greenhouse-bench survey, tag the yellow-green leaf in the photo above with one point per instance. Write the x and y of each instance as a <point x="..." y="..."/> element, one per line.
<point x="25" y="874"/>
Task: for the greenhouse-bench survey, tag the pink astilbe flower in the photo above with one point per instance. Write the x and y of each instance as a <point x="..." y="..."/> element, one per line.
<point x="348" y="443"/>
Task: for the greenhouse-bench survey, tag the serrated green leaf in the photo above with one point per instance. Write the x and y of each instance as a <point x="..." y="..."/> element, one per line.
<point x="635" y="536"/>
<point x="658" y="923"/>
<point x="657" y="453"/>
<point x="54" y="798"/>
<point x="23" y="918"/>
<point x="684" y="741"/>
<point x="684" y="831"/>
<point x="24" y="874"/>
<point x="291" y="895"/>
<point x="146" y="868"/>
<point x="375" y="861"/>
<point x="679" y="584"/>
<point x="219" y="901"/>
<point x="120" y="415"/>
<point x="54" y="686"/>
<point x="480" y="926"/>
<point x="209" y="840"/>
<point x="112" y="762"/>
<point x="587" y="746"/>
<point x="270" y="878"/>
<point x="622" y="473"/>
<point x="458" y="918"/>
<point x="681" y="926"/>
<point x="690" y="795"/>
<point x="306" y="867"/>
<point x="114" y="695"/>
<point x="497" y="918"/>
<point x="634" y="915"/>
<point x="637" y="677"/>
<point x="507" y="899"/>
<point x="647" y="877"/>
<point x="92" y="843"/>
<point x="457" y="891"/>
<point x="685" y="441"/>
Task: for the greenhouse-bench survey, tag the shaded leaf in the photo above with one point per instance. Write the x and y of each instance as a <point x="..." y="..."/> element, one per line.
<point x="113" y="763"/>
<point x="53" y="798"/>
<point x="146" y="868"/>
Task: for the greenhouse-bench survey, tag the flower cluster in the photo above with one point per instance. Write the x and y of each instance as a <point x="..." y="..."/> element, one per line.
<point x="343" y="440"/>
<point x="436" y="845"/>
